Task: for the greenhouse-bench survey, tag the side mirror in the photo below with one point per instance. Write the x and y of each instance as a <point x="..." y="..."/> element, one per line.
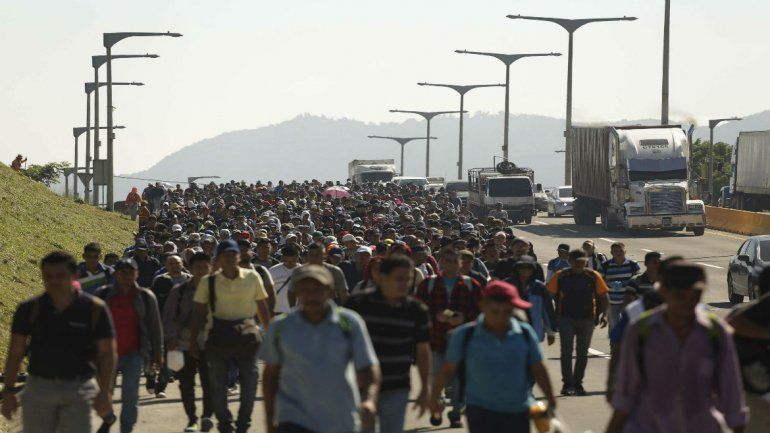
<point x="744" y="258"/>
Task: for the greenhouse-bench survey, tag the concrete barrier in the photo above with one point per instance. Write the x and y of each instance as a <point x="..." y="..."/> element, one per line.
<point x="737" y="221"/>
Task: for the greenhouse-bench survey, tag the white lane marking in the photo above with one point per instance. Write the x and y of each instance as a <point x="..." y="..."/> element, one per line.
<point x="571" y="231"/>
<point x="542" y="223"/>
<point x="646" y="250"/>
<point x="709" y="266"/>
<point x="607" y="240"/>
<point x="598" y="353"/>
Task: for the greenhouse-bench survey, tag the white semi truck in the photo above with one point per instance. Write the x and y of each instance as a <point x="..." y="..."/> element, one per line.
<point x="750" y="182"/>
<point x="371" y="170"/>
<point x="634" y="178"/>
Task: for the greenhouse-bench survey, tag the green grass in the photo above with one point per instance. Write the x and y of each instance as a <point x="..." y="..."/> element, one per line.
<point x="33" y="222"/>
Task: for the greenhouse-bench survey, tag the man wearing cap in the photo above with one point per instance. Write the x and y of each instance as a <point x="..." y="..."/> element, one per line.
<point x="148" y="265"/>
<point x="498" y="212"/>
<point x="678" y="367"/>
<point x="560" y="262"/>
<point x="595" y="258"/>
<point x="69" y="340"/>
<point x="235" y="297"/>
<point x="139" y="334"/>
<point x="310" y="354"/>
<point x="541" y="314"/>
<point x="354" y="269"/>
<point x="92" y="273"/>
<point x="351" y="246"/>
<point x="581" y="295"/>
<point x="498" y="356"/>
<point x="519" y="248"/>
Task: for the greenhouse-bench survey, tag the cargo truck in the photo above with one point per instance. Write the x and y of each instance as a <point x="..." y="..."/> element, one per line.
<point x="634" y="178"/>
<point x="505" y="183"/>
<point x="750" y="180"/>
<point x="371" y="170"/>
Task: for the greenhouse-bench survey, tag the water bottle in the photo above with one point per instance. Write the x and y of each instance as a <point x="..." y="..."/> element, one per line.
<point x="540" y="417"/>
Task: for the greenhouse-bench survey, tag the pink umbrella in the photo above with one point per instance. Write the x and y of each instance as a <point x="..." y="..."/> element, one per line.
<point x="337" y="192"/>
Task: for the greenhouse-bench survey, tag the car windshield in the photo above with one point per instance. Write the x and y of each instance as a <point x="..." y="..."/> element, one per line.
<point x="510" y="187"/>
<point x="379" y="176"/>
<point x="565" y="192"/>
<point x="764" y="251"/>
<point x="640" y="170"/>
<point x="457" y="186"/>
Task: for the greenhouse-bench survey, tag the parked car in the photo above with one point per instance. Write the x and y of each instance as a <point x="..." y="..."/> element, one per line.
<point x="745" y="266"/>
<point x="542" y="198"/>
<point x="421" y="182"/>
<point x="561" y="201"/>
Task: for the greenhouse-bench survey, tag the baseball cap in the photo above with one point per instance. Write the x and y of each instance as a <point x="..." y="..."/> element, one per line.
<point x="348" y="238"/>
<point x="176" y="228"/>
<point x="563" y="247"/>
<point x="501" y="289"/>
<point x="588" y="242"/>
<point x="336" y="251"/>
<point x="122" y="263"/>
<point x="364" y="249"/>
<point x="140" y="244"/>
<point x="227" y="246"/>
<point x="313" y="272"/>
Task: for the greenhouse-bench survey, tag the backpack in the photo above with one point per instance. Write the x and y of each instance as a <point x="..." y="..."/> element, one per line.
<point x="645" y="329"/>
<point x="461" y="371"/>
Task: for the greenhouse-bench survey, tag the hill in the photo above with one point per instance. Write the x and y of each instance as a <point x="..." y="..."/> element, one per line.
<point x="310" y="146"/>
<point x="35" y="221"/>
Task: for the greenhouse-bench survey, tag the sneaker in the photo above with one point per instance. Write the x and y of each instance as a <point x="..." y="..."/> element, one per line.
<point x="160" y="395"/>
<point x="192" y="426"/>
<point x="455" y="420"/>
<point x="436" y="421"/>
<point x="567" y="390"/>
<point x="232" y="390"/>
<point x="206" y="424"/>
<point x="580" y="391"/>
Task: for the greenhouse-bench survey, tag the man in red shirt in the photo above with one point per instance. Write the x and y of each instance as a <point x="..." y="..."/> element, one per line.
<point x="138" y="332"/>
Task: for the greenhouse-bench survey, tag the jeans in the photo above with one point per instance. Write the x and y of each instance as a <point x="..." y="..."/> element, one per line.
<point x="218" y="375"/>
<point x="57" y="405"/>
<point x="454" y="392"/>
<point x="130" y="365"/>
<point x="186" y="378"/>
<point x="481" y="420"/>
<point x="613" y="314"/>
<point x="570" y="331"/>
<point x="391" y="409"/>
<point x="132" y="210"/>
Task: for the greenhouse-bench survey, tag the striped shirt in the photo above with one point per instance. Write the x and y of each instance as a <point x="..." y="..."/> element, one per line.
<point x="395" y="330"/>
<point x="90" y="281"/>
<point x="617" y="277"/>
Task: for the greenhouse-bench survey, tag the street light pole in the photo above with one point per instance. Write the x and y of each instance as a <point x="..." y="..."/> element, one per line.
<point x="428" y="116"/>
<point x="93" y="87"/>
<point x="507" y="59"/>
<point x="462" y="90"/>
<point x="402" y="141"/>
<point x="96" y="63"/>
<point x="710" y="175"/>
<point x="666" y="58"/>
<point x="109" y="40"/>
<point x="77" y="132"/>
<point x="571" y="26"/>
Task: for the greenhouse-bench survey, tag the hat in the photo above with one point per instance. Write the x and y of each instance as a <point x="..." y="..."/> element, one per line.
<point x="364" y="249"/>
<point x="563" y="247"/>
<point x="140" y="244"/>
<point x="336" y="251"/>
<point x="348" y="238"/>
<point x="501" y="289"/>
<point x="122" y="263"/>
<point x="517" y="240"/>
<point x="227" y="246"/>
<point x="588" y="242"/>
<point x="224" y="233"/>
<point x="176" y="228"/>
<point x="317" y="235"/>
<point x="260" y="234"/>
<point x="314" y="272"/>
<point x="526" y="261"/>
<point x="195" y="237"/>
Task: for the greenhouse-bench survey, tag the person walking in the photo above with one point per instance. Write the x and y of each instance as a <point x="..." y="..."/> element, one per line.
<point x="541" y="313"/>
<point x="139" y="332"/>
<point x="70" y="340"/>
<point x="148" y="265"/>
<point x="678" y="367"/>
<point x="617" y="273"/>
<point x="498" y="358"/>
<point x="177" y="317"/>
<point x="316" y="255"/>
<point x="561" y="261"/>
<point x="310" y="354"/>
<point x="92" y="273"/>
<point x="133" y="199"/>
<point x="235" y="297"/>
<point x="581" y="295"/>
<point x="595" y="258"/>
<point x="452" y="300"/>
<point x="399" y="327"/>
<point x="281" y="274"/>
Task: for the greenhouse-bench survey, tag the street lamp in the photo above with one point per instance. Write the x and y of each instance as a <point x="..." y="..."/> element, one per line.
<point x="428" y="115"/>
<point x="462" y="90"/>
<point x="713" y="124"/>
<point x="507" y="59"/>
<point x="109" y="40"/>
<point x="89" y="88"/>
<point x="402" y="141"/>
<point x="77" y="132"/>
<point x="571" y="26"/>
<point x="666" y="45"/>
<point x="96" y="63"/>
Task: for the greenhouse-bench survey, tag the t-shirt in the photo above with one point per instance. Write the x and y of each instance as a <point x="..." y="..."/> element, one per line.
<point x="62" y="344"/>
<point x="282" y="284"/>
<point x="126" y="322"/>
<point x="235" y="298"/>
<point x="395" y="330"/>
<point x="617" y="277"/>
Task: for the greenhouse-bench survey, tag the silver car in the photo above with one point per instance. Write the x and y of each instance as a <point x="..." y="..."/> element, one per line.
<point x="561" y="201"/>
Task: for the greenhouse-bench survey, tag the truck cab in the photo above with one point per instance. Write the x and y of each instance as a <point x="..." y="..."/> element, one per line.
<point x="507" y="184"/>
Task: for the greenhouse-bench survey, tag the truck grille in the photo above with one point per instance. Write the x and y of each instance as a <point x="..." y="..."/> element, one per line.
<point x="666" y="201"/>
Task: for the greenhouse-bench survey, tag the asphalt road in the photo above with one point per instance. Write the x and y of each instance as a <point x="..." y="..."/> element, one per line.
<point x="589" y="413"/>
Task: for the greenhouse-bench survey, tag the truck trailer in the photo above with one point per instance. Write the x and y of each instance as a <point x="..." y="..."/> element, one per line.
<point x="750" y="180"/>
<point x="634" y="178"/>
<point x="371" y="170"/>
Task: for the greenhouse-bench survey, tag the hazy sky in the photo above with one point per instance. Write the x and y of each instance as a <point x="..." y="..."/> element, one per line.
<point x="248" y="63"/>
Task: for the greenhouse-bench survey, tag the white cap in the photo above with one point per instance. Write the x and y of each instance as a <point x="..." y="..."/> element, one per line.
<point x="348" y="238"/>
<point x="176" y="228"/>
<point x="364" y="249"/>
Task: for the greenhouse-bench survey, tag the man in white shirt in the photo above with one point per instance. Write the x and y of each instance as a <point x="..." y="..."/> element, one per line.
<point x="281" y="274"/>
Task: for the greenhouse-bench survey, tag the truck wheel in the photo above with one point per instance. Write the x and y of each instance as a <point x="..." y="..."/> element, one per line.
<point x="699" y="231"/>
<point x="528" y="219"/>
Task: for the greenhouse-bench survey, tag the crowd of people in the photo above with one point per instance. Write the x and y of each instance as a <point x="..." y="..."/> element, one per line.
<point x="340" y="298"/>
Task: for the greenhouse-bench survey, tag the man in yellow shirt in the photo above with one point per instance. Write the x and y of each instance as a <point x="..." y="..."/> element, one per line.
<point x="234" y="297"/>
